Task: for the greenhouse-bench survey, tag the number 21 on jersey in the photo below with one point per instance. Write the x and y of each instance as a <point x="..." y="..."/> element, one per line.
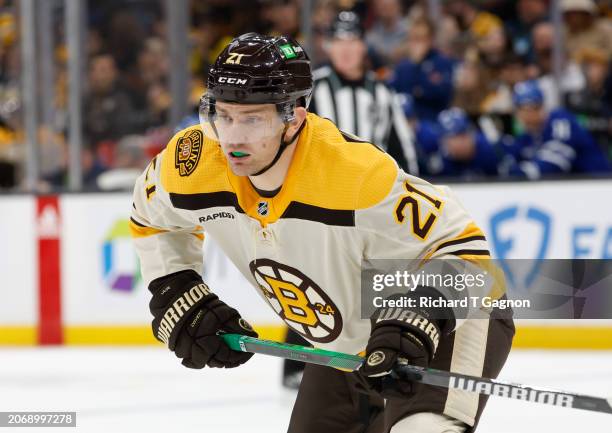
<point x="420" y="208"/>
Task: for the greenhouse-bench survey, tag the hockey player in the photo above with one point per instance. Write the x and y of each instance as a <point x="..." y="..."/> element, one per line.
<point x="461" y="150"/>
<point x="452" y="146"/>
<point x="297" y="205"/>
<point x="553" y="143"/>
<point x="351" y="96"/>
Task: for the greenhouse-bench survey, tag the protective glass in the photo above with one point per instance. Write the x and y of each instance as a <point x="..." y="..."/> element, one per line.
<point x="238" y="123"/>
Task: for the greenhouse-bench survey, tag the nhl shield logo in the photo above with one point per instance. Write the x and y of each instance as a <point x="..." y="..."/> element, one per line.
<point x="188" y="151"/>
<point x="262" y="208"/>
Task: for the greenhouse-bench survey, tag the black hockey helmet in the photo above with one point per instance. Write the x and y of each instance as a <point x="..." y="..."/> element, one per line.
<point x="346" y="25"/>
<point x="258" y="69"/>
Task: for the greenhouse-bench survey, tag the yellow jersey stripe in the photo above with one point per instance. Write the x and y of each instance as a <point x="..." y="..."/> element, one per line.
<point x="141" y="231"/>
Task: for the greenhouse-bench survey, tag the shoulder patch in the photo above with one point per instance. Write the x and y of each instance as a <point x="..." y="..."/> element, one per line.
<point x="188" y="151"/>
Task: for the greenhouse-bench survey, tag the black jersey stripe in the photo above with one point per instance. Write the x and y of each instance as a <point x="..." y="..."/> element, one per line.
<point x="331" y="217"/>
<point x="349" y="138"/>
<point x="470" y="253"/>
<point x="137" y="223"/>
<point x="459" y="241"/>
<point x="149" y="191"/>
<point x="205" y="200"/>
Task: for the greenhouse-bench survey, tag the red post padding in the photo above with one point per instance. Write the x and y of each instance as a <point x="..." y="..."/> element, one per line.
<point x="49" y="271"/>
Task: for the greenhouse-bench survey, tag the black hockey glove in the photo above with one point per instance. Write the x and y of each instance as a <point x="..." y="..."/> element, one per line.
<point x="188" y="316"/>
<point x="398" y="334"/>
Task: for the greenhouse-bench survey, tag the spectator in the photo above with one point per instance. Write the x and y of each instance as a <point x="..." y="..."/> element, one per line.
<point x="91" y="167"/>
<point x="472" y="19"/>
<point x="492" y="43"/>
<point x="8" y="25"/>
<point x="426" y="74"/>
<point x="592" y="105"/>
<point x="130" y="160"/>
<point x="283" y="16"/>
<point x="212" y="33"/>
<point x="11" y="150"/>
<point x="463" y="151"/>
<point x="572" y="78"/>
<point x="551" y="143"/>
<point x="10" y="65"/>
<point x="124" y="36"/>
<point x="448" y="37"/>
<point x="483" y="41"/>
<point x="584" y="29"/>
<point x="322" y="17"/>
<point x="388" y="33"/>
<point x="472" y="86"/>
<point x="529" y="13"/>
<point x="477" y="78"/>
<point x="108" y="111"/>
<point x="497" y="118"/>
<point x="512" y="71"/>
<point x="151" y="69"/>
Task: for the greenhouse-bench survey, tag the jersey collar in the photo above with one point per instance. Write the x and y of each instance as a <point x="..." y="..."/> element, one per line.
<point x="269" y="210"/>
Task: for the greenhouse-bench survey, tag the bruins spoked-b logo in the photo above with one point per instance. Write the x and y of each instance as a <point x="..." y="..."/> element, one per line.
<point x="188" y="151"/>
<point x="376" y="358"/>
<point x="298" y="300"/>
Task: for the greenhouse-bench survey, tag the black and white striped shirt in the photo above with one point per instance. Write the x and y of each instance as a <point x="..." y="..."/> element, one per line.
<point x="368" y="109"/>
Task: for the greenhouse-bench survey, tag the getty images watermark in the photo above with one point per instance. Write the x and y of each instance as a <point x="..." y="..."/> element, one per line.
<point x="525" y="289"/>
<point x="406" y="282"/>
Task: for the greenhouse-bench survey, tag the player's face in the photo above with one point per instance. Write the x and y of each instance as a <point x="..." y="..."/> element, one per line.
<point x="249" y="135"/>
<point x="460" y="147"/>
<point x="532" y="117"/>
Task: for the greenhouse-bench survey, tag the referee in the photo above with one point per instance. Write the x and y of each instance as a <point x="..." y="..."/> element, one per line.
<point x="350" y="96"/>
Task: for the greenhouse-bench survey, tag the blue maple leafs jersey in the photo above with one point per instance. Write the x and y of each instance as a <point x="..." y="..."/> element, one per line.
<point x="562" y="147"/>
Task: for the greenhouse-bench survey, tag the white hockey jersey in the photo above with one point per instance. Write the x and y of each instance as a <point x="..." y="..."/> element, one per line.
<point x="343" y="201"/>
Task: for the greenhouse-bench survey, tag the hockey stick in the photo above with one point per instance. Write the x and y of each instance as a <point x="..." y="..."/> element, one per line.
<point x="428" y="376"/>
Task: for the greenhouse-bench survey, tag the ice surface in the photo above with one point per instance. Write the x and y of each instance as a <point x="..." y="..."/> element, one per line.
<point x="147" y="390"/>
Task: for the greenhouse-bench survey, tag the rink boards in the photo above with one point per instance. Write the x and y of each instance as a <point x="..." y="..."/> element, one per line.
<point x="70" y="274"/>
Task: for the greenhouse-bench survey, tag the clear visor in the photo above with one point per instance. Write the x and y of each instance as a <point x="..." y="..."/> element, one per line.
<point x="230" y="123"/>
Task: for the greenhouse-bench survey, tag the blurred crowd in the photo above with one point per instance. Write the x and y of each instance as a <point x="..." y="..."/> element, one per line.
<point x="455" y="69"/>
